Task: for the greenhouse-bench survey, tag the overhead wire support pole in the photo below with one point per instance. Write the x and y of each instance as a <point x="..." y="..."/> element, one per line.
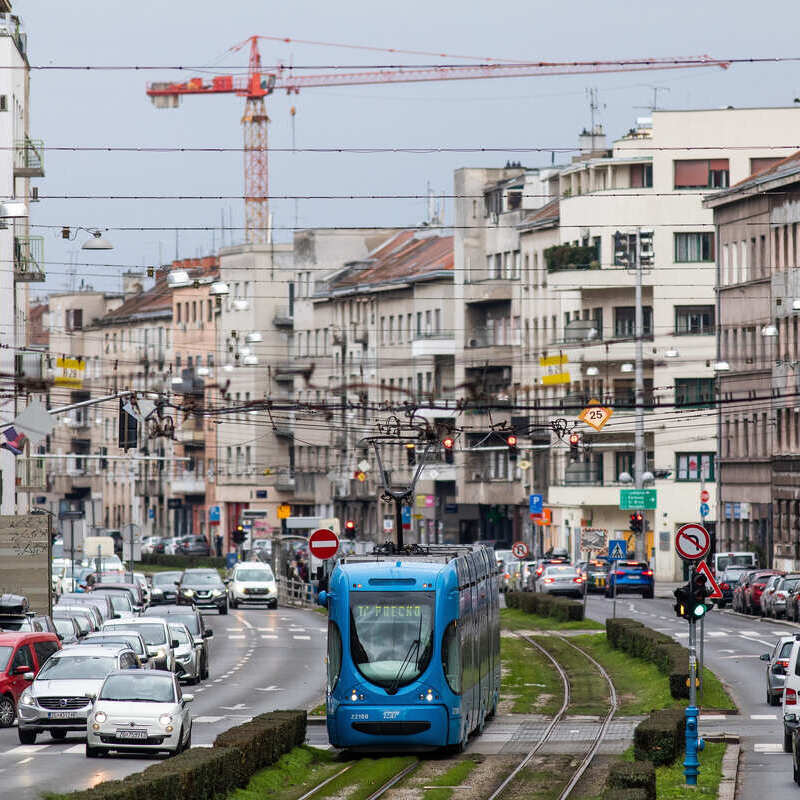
<point x="638" y="441"/>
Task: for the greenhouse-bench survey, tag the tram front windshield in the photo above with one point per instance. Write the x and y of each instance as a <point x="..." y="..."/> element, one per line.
<point x="391" y="635"/>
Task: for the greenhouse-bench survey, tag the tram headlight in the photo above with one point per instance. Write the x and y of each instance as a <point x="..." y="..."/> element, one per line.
<point x="355" y="695"/>
<point x="427" y="695"/>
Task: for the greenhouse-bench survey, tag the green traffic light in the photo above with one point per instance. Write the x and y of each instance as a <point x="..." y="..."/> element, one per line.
<point x="699" y="610"/>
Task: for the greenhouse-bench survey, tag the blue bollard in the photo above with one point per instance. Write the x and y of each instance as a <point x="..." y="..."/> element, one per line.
<point x="691" y="764"/>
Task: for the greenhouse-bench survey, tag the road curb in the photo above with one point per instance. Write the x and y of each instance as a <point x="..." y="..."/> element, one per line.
<point x="730" y="769"/>
<point x="753" y="618"/>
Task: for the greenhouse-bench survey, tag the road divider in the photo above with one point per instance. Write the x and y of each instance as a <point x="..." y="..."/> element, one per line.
<point x="546" y="605"/>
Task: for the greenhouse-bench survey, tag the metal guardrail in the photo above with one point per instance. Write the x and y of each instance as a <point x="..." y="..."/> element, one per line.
<point x="292" y="592"/>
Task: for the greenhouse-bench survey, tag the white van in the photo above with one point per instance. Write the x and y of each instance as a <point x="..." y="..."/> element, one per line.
<point x="791" y="697"/>
<point x="738" y="560"/>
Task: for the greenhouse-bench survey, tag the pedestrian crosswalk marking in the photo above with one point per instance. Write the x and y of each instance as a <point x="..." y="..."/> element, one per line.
<point x="768" y="747"/>
<point x="716" y="633"/>
<point x="301" y="637"/>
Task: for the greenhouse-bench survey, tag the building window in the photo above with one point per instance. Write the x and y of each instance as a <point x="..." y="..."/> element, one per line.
<point x="642" y="176"/>
<point x="701" y="173"/>
<point x="694" y="466"/>
<point x="694" y="392"/>
<point x="625" y="321"/>
<point x="694" y="320"/>
<point x="761" y="164"/>
<point x="690" y="247"/>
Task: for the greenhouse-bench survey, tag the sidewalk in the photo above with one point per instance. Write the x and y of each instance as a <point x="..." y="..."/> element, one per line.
<point x="666" y="589"/>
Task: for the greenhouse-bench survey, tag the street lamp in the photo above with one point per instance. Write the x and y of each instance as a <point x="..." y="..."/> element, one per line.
<point x="626" y="368"/>
<point x="592" y="371"/>
<point x="219" y="288"/>
<point x="178" y="278"/>
<point x="769" y="330"/>
<point x="672" y="353"/>
<point x="96" y="242"/>
<point x="722" y="366"/>
<point x="254" y="337"/>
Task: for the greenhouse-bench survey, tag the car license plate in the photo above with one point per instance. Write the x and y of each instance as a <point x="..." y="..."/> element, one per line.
<point x="61" y="715"/>
<point x="127" y="733"/>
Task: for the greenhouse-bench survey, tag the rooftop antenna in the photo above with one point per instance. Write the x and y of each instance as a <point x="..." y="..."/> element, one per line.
<point x="594" y="107"/>
<point x="656" y="89"/>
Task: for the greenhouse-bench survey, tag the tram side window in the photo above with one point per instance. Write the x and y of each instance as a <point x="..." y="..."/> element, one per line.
<point x="334" y="654"/>
<point x="451" y="658"/>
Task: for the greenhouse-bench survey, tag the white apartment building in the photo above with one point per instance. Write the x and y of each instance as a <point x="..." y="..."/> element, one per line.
<point x="21" y="260"/>
<point x="651" y="180"/>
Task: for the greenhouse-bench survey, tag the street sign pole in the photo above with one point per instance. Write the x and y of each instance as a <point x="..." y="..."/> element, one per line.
<point x="691" y="764"/>
<point x="614" y="602"/>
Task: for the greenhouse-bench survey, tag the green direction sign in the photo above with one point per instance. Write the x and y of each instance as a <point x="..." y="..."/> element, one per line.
<point x="631" y="499"/>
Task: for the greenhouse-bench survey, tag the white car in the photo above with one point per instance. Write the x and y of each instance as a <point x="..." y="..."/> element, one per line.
<point x="59" y="699"/>
<point x="148" y="543"/>
<point x="187" y="653"/>
<point x="139" y="577"/>
<point x="252" y="582"/>
<point x="139" y="711"/>
<point x="156" y="634"/>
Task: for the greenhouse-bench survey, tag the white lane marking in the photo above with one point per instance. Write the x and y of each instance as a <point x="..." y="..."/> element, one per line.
<point x="26" y="749"/>
<point x="263" y="630"/>
<point x="716" y="633"/>
<point x="237" y="636"/>
<point x="768" y="747"/>
<point x="754" y="639"/>
<point x="297" y="630"/>
<point x="302" y="637"/>
<point x="748" y="633"/>
<point x="268" y="636"/>
<point x="25" y="760"/>
<point x="763" y="716"/>
<point x="76" y="749"/>
<point x="712" y="717"/>
<point x="247" y="624"/>
<point x="237" y="707"/>
<point x="269" y="689"/>
<point x="201" y="745"/>
<point x="741" y="655"/>
<point x="285" y="618"/>
<point x="727" y="651"/>
<point x="209" y="720"/>
<point x="218" y="680"/>
<point x="683" y="635"/>
<point x="234" y="630"/>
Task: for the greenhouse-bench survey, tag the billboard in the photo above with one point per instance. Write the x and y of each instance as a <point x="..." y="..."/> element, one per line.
<point x="25" y="559"/>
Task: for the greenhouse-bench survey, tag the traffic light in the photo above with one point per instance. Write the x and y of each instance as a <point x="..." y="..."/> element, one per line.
<point x="513" y="450"/>
<point x="646" y="255"/>
<point x="448" y="443"/>
<point x="683" y="599"/>
<point x="239" y="535"/>
<point x="574" y="446"/>
<point x="637" y="522"/>
<point x="622" y="253"/>
<point x="350" y="527"/>
<point x="699" y="593"/>
<point x="128" y="428"/>
<point x="411" y="455"/>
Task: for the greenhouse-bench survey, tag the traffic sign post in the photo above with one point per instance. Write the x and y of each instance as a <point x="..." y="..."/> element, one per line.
<point x="323" y="543"/>
<point x="692" y="541"/>
<point x="519" y="550"/>
<point x="617" y="551"/>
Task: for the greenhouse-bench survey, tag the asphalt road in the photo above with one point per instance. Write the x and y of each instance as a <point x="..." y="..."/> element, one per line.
<point x="260" y="660"/>
<point x="733" y="644"/>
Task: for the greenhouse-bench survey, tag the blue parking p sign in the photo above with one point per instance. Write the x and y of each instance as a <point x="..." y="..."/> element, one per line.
<point x="535" y="504"/>
<point x="617" y="549"/>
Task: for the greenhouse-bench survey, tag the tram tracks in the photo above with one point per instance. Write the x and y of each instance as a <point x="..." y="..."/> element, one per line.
<point x="378" y="793"/>
<point x="597" y="739"/>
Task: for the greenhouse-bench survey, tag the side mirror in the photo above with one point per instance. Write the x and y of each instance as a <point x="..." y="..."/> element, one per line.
<point x="29" y="676"/>
<point x="208" y="633"/>
<point x="23" y="668"/>
<point x="177" y="583"/>
<point x="175" y="644"/>
<point x="226" y="581"/>
<point x="188" y="698"/>
<point x="764" y="657"/>
<point x="60" y="637"/>
<point x="322" y="599"/>
<point x="116" y="616"/>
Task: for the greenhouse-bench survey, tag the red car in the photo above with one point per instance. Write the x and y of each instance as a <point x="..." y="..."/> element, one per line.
<point x="756" y="584"/>
<point x="21" y="652"/>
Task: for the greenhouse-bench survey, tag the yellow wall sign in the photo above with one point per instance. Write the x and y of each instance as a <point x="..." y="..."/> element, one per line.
<point x="69" y="372"/>
<point x="595" y="415"/>
<point x="554" y="370"/>
<point x="284" y="511"/>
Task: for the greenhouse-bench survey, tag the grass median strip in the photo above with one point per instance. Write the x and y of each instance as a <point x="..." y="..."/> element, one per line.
<point x="455" y="776"/>
<point x="671" y="783"/>
<point x="530" y="682"/>
<point x="514" y="619"/>
<point x="365" y="777"/>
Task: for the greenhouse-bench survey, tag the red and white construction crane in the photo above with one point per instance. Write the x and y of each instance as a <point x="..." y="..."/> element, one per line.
<point x="256" y="85"/>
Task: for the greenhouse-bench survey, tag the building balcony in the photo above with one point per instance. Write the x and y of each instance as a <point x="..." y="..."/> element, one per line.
<point x="490" y="290"/>
<point x="486" y="345"/>
<point x="191" y="436"/>
<point x="283" y="318"/>
<point x="29" y="259"/>
<point x="188" y="483"/>
<point x="596" y="279"/>
<point x="284" y="481"/>
<point x="31" y="475"/>
<point x="305" y="484"/>
<point x="434" y="344"/>
<point x="590" y="495"/>
<point x="478" y="490"/>
<point x="151" y="487"/>
<point x="29" y="158"/>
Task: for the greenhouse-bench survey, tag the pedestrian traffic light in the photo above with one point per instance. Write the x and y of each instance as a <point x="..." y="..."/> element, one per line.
<point x="513" y="450"/>
<point x="448" y="443"/>
<point x="239" y="535"/>
<point x="411" y="455"/>
<point x="683" y="598"/>
<point x="128" y="428"/>
<point x="574" y="446"/>
<point x="622" y="253"/>
<point x="350" y="527"/>
<point x="637" y="522"/>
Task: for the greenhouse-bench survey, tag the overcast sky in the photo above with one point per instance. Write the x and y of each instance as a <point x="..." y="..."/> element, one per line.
<point x="110" y="107"/>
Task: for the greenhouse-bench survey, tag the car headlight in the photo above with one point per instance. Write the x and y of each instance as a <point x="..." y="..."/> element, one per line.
<point x="27" y="698"/>
<point x="215" y="592"/>
<point x="188" y="592"/>
<point x="165" y="720"/>
<point x="155" y="591"/>
<point x="100" y="716"/>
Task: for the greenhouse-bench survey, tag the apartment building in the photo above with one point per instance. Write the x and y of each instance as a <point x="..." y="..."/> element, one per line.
<point x="21" y="255"/>
<point x="759" y="303"/>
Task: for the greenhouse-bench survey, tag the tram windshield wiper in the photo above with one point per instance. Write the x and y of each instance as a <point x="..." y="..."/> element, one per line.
<point x="392" y="689"/>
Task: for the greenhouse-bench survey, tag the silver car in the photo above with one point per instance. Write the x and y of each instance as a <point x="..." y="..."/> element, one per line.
<point x="59" y="699"/>
<point x="139" y="711"/>
<point x="187" y="653"/>
<point x="155" y="632"/>
<point x="121" y="637"/>
<point x="561" y="579"/>
<point x="775" y="672"/>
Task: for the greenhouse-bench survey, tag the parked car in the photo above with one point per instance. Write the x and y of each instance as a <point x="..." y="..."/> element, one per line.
<point x="737" y="602"/>
<point x="776" y="607"/>
<point x="148" y="544"/>
<point x="561" y="579"/>
<point x="60" y="698"/>
<point x="164" y="587"/>
<point x="630" y="576"/>
<point x="193" y="546"/>
<point x="252" y="582"/>
<point x="22" y="655"/>
<point x="196" y="624"/>
<point x="139" y="711"/>
<point x="203" y="588"/>
<point x="170" y="545"/>
<point x="766" y="595"/>
<point x="755" y="586"/>
<point x="790" y="706"/>
<point x="155" y="632"/>
<point x="775" y="671"/>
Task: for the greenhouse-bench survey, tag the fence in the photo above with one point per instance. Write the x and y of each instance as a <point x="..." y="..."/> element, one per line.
<point x="292" y="592"/>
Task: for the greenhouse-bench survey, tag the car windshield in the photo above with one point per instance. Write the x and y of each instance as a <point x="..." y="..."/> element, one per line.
<point x="5" y="654"/>
<point x="152" y="634"/>
<point x="120" y="603"/>
<point x="391" y="635"/>
<point x="254" y="575"/>
<point x="179" y="633"/>
<point x="64" y="626"/>
<point x="202" y="579"/>
<point x="134" y="642"/>
<point x="166" y="578"/>
<point x="74" y="667"/>
<point x="189" y="620"/>
<point x="138" y="689"/>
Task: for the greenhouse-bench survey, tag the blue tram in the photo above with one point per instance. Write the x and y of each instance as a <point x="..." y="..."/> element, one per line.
<point x="413" y="648"/>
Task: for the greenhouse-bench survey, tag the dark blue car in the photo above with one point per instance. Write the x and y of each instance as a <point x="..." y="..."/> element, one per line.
<point x="630" y="576"/>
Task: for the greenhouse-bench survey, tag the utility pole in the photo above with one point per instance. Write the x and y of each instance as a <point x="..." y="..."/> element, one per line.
<point x="343" y="401"/>
<point x="638" y="441"/>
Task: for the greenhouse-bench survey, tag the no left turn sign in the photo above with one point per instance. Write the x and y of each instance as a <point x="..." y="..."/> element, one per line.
<point x="692" y="541"/>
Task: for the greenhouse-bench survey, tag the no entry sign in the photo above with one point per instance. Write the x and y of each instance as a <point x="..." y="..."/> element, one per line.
<point x="692" y="541"/>
<point x="323" y="543"/>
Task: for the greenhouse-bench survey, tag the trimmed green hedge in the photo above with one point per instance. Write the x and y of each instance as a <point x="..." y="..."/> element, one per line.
<point x="182" y="562"/>
<point x="660" y="737"/>
<point x="640" y="641"/>
<point x="631" y="780"/>
<point x="546" y="605"/>
<point x="209" y="773"/>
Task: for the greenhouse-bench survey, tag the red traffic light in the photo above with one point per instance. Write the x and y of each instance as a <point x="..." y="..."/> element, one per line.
<point x="350" y="525"/>
<point x="511" y="441"/>
<point x="448" y="442"/>
<point x="574" y="439"/>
